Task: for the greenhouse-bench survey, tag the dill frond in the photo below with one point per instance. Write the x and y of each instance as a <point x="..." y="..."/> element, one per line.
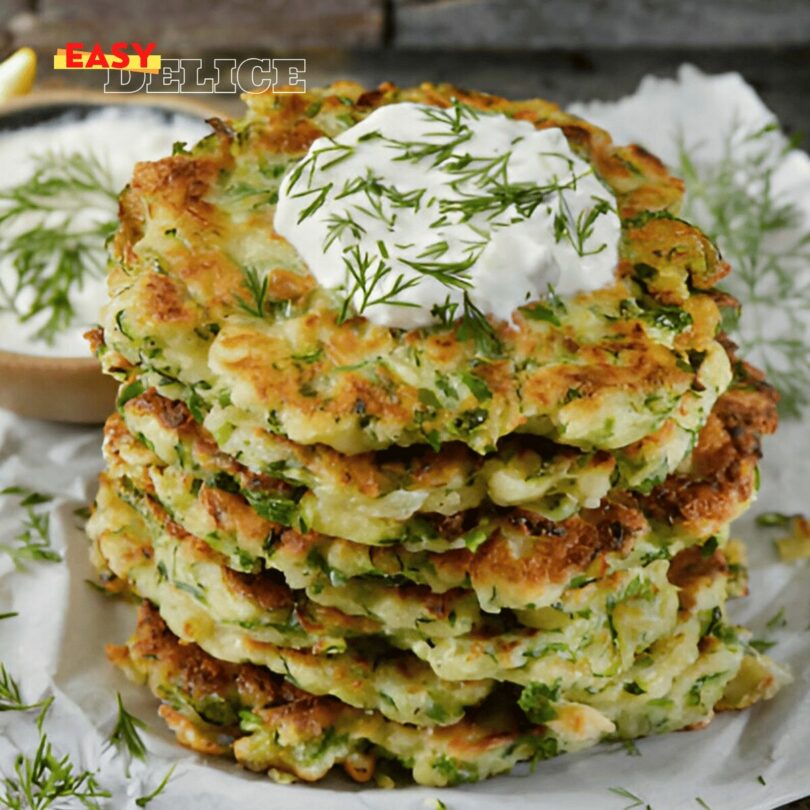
<point x="45" y="780"/>
<point x="143" y="801"/>
<point x="762" y="235"/>
<point x="51" y="255"/>
<point x="33" y="543"/>
<point x="125" y="734"/>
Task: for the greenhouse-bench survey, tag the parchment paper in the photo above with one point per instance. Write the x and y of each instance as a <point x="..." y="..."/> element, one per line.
<point x="55" y="644"/>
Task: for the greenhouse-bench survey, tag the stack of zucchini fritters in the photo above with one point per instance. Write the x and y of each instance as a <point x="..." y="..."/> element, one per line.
<point x="442" y="551"/>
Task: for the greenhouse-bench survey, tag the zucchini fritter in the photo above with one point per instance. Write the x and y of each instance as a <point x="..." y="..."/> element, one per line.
<point x="268" y="725"/>
<point x="600" y="371"/>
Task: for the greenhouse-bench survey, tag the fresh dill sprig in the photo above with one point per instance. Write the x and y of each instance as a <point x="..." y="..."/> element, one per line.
<point x="499" y="197"/>
<point x="760" y="232"/>
<point x="44" y="780"/>
<point x="50" y="252"/>
<point x="453" y="116"/>
<point x="33" y="543"/>
<point x="450" y="273"/>
<point x="631" y="797"/>
<point x="321" y="193"/>
<point x="143" y="801"/>
<point x="343" y="151"/>
<point x="11" y="697"/>
<point x="416" y="151"/>
<point x="475" y="326"/>
<point x="577" y="230"/>
<point x="777" y="621"/>
<point x="257" y="288"/>
<point x="125" y="734"/>
<point x="366" y="272"/>
<point x="338" y="225"/>
<point x="478" y="171"/>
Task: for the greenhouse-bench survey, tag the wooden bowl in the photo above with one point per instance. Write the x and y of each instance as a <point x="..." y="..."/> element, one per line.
<point x="68" y="389"/>
<point x="59" y="389"/>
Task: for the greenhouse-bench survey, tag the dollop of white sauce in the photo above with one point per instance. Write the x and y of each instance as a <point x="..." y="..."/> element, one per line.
<point x="416" y="207"/>
<point x="119" y="138"/>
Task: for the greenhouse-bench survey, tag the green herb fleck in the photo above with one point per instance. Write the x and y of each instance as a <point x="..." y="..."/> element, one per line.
<point x="125" y="734"/>
<point x="143" y="801"/>
<point x="626" y="794"/>
<point x="773" y="519"/>
<point x="33" y="543"/>
<point x="776" y="621"/>
<point x="536" y="700"/>
<point x="257" y="288"/>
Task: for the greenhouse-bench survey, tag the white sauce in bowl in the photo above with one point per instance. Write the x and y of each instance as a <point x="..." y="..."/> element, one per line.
<point x="119" y="138"/>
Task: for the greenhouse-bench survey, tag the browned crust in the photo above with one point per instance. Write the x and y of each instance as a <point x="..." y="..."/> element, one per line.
<point x="558" y="550"/>
<point x="723" y="469"/>
<point x="720" y="483"/>
<point x="692" y="569"/>
<point x="197" y="672"/>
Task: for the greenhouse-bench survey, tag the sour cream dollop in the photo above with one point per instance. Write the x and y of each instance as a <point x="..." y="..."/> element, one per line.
<point x="418" y="210"/>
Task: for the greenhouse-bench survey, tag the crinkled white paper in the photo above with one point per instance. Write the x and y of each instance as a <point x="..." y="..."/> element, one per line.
<point x="56" y="644"/>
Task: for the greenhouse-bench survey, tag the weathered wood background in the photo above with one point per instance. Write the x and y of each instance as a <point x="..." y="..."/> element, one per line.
<point x="559" y="49"/>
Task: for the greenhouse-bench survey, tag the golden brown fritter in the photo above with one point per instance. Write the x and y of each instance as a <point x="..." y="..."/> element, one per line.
<point x="604" y="371"/>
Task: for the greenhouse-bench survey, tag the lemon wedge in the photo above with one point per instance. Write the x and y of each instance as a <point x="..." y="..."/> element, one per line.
<point x="17" y="74"/>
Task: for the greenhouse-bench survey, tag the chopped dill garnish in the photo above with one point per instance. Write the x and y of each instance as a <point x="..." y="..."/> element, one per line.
<point x="474" y="194"/>
<point x="475" y="326"/>
<point x="577" y="230"/>
<point x="41" y="235"/>
<point x="257" y="287"/>
<point x="33" y="543"/>
<point x="365" y="272"/>
<point x="777" y="620"/>
<point x="44" y="780"/>
<point x="761" y="645"/>
<point x="125" y="734"/>
<point x="769" y="519"/>
<point x="499" y="197"/>
<point x="143" y="801"/>
<point x="340" y="224"/>
<point x="761" y="234"/>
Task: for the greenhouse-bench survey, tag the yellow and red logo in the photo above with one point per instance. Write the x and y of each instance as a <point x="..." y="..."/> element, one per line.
<point x="142" y="59"/>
